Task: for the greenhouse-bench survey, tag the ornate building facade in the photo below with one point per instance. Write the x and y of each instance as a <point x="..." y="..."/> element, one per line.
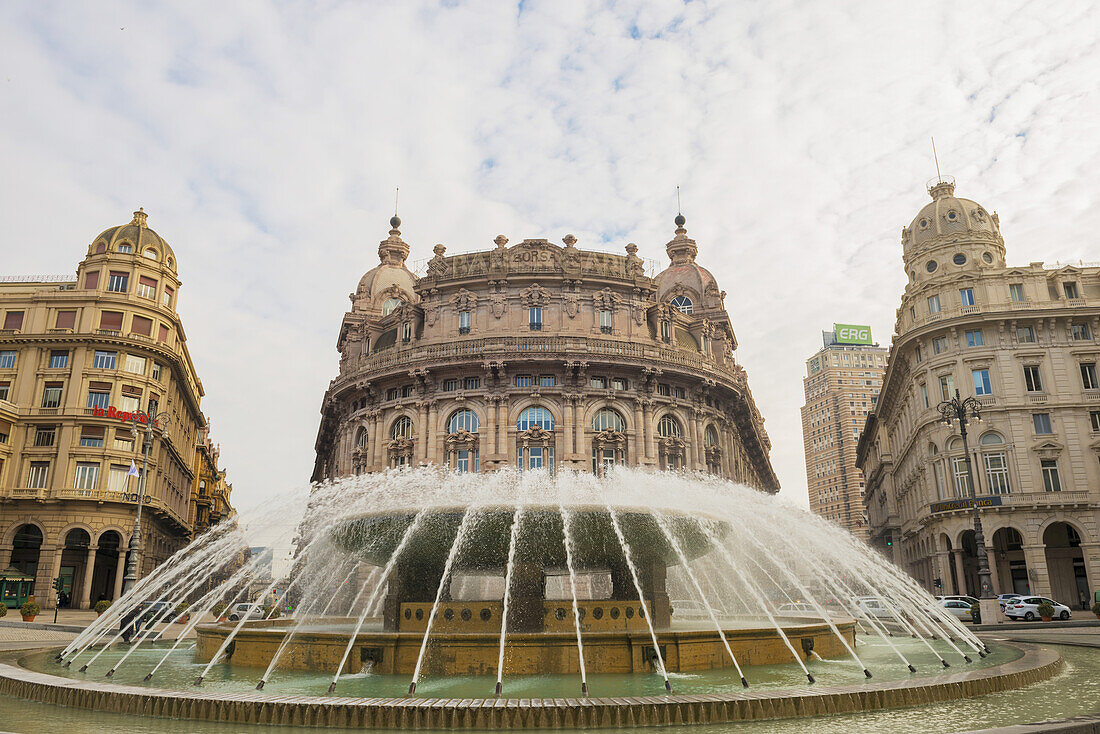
<point x="537" y="355"/>
<point x="79" y="358"/>
<point x="1025" y="342"/>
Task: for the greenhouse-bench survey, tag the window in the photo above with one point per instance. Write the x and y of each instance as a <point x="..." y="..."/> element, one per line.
<point x="668" y="427"/>
<point x="124" y="440"/>
<point x="1041" y="421"/>
<point x="917" y="355"/>
<point x="1088" y="376"/>
<point x="66" y="320"/>
<point x="13" y="320"/>
<point x="463" y="322"/>
<point x="118" y="282"/>
<point x="523" y="380"/>
<point x="546" y="381"/>
<point x="599" y="383"/>
<point x="663" y="389"/>
<point x="974" y="338"/>
<point x="996" y="464"/>
<point x="1081" y="332"/>
<point x="535" y="416"/>
<point x="110" y="321"/>
<point x="116" y="478"/>
<point x="618" y="383"/>
<point x="91" y="280"/>
<point x="1051" y="481"/>
<point x="1094" y="419"/>
<point x="87" y="475"/>
<point x="679" y="392"/>
<point x="44" y="435"/>
<point x="933" y="304"/>
<point x="104" y="360"/>
<point x="51" y="395"/>
<point x="7" y="359"/>
<point x="393" y="393"/>
<point x="92" y="436"/>
<point x="1033" y="381"/>
<point x="156" y="371"/>
<point x="402" y="428"/>
<point x="982" y="385"/>
<point x="134" y="364"/>
<point x="406" y="332"/>
<point x="941" y="483"/>
<point x="924" y="394"/>
<point x="141" y="326"/>
<point x="1071" y="290"/>
<point x="154" y="405"/>
<point x="463" y="420"/>
<point x="149" y="253"/>
<point x="126" y="248"/>
<point x="36" y="477"/>
<point x="683" y="304"/>
<point x="961" y="477"/>
<point x="966" y="296"/>
<point x="605" y="322"/>
<point x="535" y="318"/>
<point x="939" y="344"/>
<point x="5" y="386"/>
<point x="1025" y="334"/>
<point x="472" y="383"/>
<point x="666" y="331"/>
<point x="162" y="333"/>
<point x="59" y="360"/>
<point x="450" y="385"/>
<point x="947" y="387"/>
<point x="99" y="396"/>
<point x="147" y="288"/>
<point x="166" y="297"/>
<point x="1016" y="292"/>
<point x="129" y="403"/>
<point x="608" y="418"/>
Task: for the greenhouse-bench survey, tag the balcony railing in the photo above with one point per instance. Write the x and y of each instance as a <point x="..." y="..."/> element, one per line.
<point x="1046" y="498"/>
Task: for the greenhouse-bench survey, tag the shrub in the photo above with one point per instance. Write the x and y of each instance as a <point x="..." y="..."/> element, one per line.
<point x="30" y="609"/>
<point x="1045" y="610"/>
<point x="181" y="609"/>
<point x="1096" y="609"/>
<point x="3" y="610"/>
<point x="218" y="609"/>
<point x="272" y="612"/>
<point x="101" y="606"/>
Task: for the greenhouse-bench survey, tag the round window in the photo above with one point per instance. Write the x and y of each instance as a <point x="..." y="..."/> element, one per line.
<point x="924" y="224"/>
<point x="952" y="216"/>
<point x="959" y="259"/>
<point x="987" y="257"/>
<point x="931" y="266"/>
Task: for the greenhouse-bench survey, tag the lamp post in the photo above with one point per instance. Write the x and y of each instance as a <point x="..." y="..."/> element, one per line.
<point x="160" y="420"/>
<point x="964" y="411"/>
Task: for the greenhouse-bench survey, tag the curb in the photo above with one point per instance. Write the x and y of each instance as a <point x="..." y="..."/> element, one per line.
<point x="41" y="626"/>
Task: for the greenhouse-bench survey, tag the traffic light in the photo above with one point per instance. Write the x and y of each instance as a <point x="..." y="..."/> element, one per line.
<point x="889" y="543"/>
<point x="937" y="583"/>
<point x="59" y="584"/>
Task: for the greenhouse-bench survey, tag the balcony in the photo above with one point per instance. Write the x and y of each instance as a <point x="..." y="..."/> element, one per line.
<point x="1049" y="499"/>
<point x="1092" y="396"/>
<point x="1076" y="302"/>
<point x="1037" y="398"/>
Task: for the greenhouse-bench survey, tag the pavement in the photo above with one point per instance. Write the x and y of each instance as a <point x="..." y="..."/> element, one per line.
<point x="15" y="634"/>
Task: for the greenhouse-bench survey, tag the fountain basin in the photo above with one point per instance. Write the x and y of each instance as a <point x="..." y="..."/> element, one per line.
<point x="475" y="652"/>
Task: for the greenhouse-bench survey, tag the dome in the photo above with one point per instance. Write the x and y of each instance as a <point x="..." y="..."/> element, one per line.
<point x="949" y="218"/>
<point x="683" y="271"/>
<point x="138" y="236"/>
<point x="390" y="274"/>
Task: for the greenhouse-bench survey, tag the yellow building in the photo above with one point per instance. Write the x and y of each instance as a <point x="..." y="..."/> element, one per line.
<point x="209" y="490"/>
<point x="79" y="358"/>
<point x="841" y="387"/>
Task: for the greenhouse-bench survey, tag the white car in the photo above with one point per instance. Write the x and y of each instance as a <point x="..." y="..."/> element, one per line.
<point x="797" y="609"/>
<point x="246" y="610"/>
<point x="958" y="597"/>
<point x="873" y="606"/>
<point x="957" y="608"/>
<point x="1027" y="608"/>
<point x="1003" y="599"/>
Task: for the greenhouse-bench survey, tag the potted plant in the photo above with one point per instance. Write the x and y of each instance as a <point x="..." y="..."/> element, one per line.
<point x="218" y="610"/>
<point x="101" y="606"/>
<point x="1095" y="610"/>
<point x="182" y="615"/>
<point x="1046" y="611"/>
<point x="30" y="610"/>
<point x="4" y="611"/>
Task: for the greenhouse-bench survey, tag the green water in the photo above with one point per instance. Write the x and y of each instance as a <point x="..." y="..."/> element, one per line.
<point x="1073" y="692"/>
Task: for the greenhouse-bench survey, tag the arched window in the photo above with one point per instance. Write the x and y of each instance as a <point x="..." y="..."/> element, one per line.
<point x="991" y="439"/>
<point x="683" y="304"/>
<point x="402" y="428"/>
<point x="711" y="450"/>
<point x="150" y="253"/>
<point x="710" y="438"/>
<point x="608" y="418"/>
<point x="995" y="463"/>
<point x="668" y="427"/>
<point x="959" y="475"/>
<point x="535" y="416"/>
<point x="389" y="305"/>
<point x="465" y="420"/>
<point x="361" y="438"/>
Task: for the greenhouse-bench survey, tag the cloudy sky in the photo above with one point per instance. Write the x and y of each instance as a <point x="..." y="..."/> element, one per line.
<point x="265" y="141"/>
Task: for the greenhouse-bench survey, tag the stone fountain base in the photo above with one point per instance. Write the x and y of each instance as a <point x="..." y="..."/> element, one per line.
<point x="613" y="643"/>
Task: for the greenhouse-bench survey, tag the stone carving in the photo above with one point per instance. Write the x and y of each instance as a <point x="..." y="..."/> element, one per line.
<point x="496" y="257"/>
<point x="570" y="256"/>
<point x="635" y="268"/>
<point x="534" y="295"/>
<point x="462" y="440"/>
<point x="605" y="300"/>
<point x="536" y="435"/>
<point x="438" y="266"/>
<point x="572" y="304"/>
<point x="496" y="304"/>
<point x="464" y="300"/>
<point x="431" y="314"/>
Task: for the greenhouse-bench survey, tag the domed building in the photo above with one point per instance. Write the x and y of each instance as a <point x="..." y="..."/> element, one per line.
<point x="1024" y="343"/>
<point x="537" y="355"/>
<point x="80" y="358"/>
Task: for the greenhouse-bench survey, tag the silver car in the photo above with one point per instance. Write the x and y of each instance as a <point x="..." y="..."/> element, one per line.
<point x="957" y="608"/>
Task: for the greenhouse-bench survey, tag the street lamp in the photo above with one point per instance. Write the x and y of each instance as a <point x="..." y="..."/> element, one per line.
<point x="964" y="411"/>
<point x="159" y="421"/>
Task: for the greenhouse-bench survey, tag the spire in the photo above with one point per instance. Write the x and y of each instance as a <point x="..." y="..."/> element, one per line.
<point x="393" y="250"/>
<point x="681" y="249"/>
<point x="941" y="186"/>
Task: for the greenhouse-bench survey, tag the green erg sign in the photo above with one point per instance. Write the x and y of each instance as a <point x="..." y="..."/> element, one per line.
<point x="852" y="334"/>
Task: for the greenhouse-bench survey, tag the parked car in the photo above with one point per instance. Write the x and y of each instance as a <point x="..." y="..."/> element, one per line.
<point x="958" y="597"/>
<point x="1002" y="599"/>
<point x="1027" y="608"/>
<point x="798" y="609"/>
<point x="957" y="608"/>
<point x="155" y="610"/>
<point x="873" y="606"/>
<point x="245" y="610"/>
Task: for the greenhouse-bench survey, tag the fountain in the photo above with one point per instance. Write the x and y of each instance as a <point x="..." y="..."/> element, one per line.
<point x="630" y="598"/>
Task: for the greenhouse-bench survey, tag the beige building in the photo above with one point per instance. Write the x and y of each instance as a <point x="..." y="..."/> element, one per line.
<point x="538" y="355"/>
<point x="78" y="358"/>
<point x="1025" y="342"/>
<point x="841" y="387"/>
<point x="210" y="491"/>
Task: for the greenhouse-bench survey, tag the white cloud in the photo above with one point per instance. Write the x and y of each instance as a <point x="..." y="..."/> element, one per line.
<point x="265" y="142"/>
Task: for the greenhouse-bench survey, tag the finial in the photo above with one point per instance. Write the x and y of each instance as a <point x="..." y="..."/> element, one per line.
<point x="941" y="186"/>
<point x="395" y="221"/>
<point x="140" y="217"/>
<point x="680" y="219"/>
<point x="569" y="240"/>
<point x="936" y="158"/>
<point x="500" y="240"/>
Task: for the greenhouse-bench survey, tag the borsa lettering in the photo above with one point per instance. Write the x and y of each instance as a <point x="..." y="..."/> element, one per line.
<point x="532" y="256"/>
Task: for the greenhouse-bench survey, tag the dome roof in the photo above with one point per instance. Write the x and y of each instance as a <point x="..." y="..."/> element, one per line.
<point x="391" y="272"/>
<point x="138" y="235"/>
<point x="683" y="271"/>
<point x="949" y="218"/>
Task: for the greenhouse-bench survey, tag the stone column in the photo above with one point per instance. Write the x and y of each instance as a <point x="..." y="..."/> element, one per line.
<point x="960" y="574"/>
<point x="650" y="443"/>
<point x="379" y="440"/>
<point x="1037" y="575"/>
<point x="653" y="575"/>
<point x="432" y="435"/>
<point x="49" y="568"/>
<point x="1091" y="554"/>
<point x="120" y="572"/>
<point x="491" y="425"/>
<point x="698" y="459"/>
<point x="422" y="440"/>
<point x="639" y="434"/>
<point x="569" y="427"/>
<point x="942" y="569"/>
<point x="994" y="569"/>
<point x="5" y="556"/>
<point x="502" y="427"/>
<point x="86" y="582"/>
